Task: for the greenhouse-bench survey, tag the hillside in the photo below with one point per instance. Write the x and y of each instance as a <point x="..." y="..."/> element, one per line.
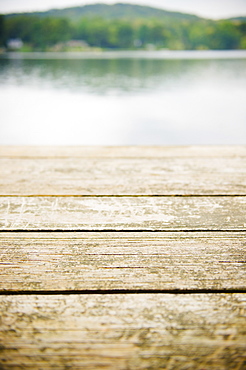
<point x="243" y="19"/>
<point x="115" y="11"/>
<point x="119" y="26"/>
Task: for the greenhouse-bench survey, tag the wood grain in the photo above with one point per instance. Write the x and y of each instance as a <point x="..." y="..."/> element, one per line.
<point x="144" y="331"/>
<point x="123" y="176"/>
<point x="104" y="261"/>
<point x="124" y="151"/>
<point x="123" y="213"/>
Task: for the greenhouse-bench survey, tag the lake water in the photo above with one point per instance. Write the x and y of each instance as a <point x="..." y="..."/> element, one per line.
<point x="123" y="98"/>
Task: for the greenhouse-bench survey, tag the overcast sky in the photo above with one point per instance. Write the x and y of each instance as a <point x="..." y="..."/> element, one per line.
<point x="205" y="8"/>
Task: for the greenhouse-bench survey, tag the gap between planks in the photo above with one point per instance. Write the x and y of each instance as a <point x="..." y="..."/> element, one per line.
<point x="121" y="195"/>
<point x="122" y="291"/>
<point x="125" y="231"/>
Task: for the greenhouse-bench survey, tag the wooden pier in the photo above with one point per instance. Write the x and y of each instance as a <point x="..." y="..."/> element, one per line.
<point x="123" y="258"/>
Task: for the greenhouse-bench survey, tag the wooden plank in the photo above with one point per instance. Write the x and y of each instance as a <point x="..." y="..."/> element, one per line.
<point x="107" y="261"/>
<point x="124" y="151"/>
<point x="123" y="213"/>
<point x="123" y="176"/>
<point x="143" y="331"/>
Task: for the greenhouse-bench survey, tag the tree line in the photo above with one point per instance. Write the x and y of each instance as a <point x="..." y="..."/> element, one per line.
<point x="43" y="33"/>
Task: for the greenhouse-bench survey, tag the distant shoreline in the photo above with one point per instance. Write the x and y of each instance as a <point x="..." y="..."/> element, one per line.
<point x="130" y="54"/>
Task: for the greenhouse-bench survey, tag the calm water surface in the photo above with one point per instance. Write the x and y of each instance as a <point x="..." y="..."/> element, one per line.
<point x="123" y="99"/>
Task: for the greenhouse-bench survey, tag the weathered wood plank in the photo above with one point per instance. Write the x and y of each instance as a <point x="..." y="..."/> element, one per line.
<point x="123" y="213"/>
<point x="124" y="151"/>
<point x="143" y="331"/>
<point x="101" y="261"/>
<point x="123" y="176"/>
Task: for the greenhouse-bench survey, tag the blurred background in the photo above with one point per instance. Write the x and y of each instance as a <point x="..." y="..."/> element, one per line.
<point x="142" y="73"/>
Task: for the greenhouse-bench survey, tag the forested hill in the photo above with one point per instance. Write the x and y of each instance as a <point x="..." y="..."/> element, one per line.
<point x="115" y="11"/>
<point x="119" y="26"/>
<point x="243" y="19"/>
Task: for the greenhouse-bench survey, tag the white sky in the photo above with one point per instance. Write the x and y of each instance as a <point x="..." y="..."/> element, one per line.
<point x="206" y="8"/>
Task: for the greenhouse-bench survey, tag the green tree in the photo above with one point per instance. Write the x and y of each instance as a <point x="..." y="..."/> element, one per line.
<point x="224" y="36"/>
<point x="125" y="34"/>
<point x="143" y="33"/>
<point x="2" y="30"/>
<point x="241" y="27"/>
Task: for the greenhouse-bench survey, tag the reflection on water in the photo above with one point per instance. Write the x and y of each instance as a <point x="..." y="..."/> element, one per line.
<point x="120" y="101"/>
